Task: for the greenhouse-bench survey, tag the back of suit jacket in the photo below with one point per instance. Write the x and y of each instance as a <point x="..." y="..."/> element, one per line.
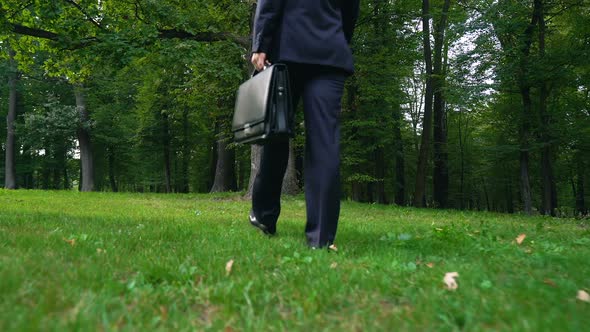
<point x="306" y="31"/>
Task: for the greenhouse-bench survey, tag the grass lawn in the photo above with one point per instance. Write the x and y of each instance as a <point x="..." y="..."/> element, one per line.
<point x="104" y="261"/>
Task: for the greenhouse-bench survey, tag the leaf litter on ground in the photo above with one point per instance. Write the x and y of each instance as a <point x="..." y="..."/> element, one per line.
<point x="228" y="267"/>
<point x="450" y="281"/>
<point x="583" y="296"/>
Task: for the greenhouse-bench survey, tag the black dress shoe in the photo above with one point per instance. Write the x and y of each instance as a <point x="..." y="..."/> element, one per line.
<point x="330" y="248"/>
<point x="254" y="222"/>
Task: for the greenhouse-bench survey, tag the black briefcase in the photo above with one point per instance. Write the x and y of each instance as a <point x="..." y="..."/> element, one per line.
<point x="264" y="109"/>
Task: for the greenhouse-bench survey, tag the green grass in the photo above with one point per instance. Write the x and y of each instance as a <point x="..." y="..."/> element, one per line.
<point x="157" y="262"/>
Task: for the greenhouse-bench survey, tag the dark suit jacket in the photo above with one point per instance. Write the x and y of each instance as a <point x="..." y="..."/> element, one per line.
<point x="306" y="31"/>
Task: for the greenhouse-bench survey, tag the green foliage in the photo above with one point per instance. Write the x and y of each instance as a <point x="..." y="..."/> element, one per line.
<point x="375" y="93"/>
<point x="54" y="123"/>
<point x="136" y="77"/>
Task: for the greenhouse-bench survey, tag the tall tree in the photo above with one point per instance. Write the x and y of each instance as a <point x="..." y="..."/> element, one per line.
<point x="225" y="170"/>
<point x="441" y="168"/>
<point x="255" y="157"/>
<point x="290" y="185"/>
<point x="85" y="141"/>
<point x="400" y="160"/>
<point x="549" y="193"/>
<point x="420" y="187"/>
<point x="10" y="159"/>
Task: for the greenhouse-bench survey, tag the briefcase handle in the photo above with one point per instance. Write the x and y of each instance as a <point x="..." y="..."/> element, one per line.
<point x="256" y="71"/>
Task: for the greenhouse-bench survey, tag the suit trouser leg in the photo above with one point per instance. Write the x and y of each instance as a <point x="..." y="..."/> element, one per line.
<point x="266" y="190"/>
<point x="322" y="94"/>
<point x="321" y="90"/>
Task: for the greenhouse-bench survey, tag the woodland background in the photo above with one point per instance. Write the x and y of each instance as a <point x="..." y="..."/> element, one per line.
<point x="477" y="104"/>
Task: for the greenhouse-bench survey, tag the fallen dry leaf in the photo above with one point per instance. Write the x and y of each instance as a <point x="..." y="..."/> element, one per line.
<point x="163" y="313"/>
<point x="430" y="265"/>
<point x="334" y="265"/>
<point x="583" y="296"/>
<point x="72" y="242"/>
<point x="333" y="248"/>
<point x="549" y="282"/>
<point x="229" y="266"/>
<point x="198" y="279"/>
<point x="450" y="281"/>
<point x="520" y="238"/>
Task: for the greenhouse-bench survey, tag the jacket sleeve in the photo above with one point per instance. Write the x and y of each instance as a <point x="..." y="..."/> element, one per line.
<point x="266" y="21"/>
<point x="350" y="13"/>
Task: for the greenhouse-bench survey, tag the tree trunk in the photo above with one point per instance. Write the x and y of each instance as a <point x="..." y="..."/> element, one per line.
<point x="184" y="187"/>
<point x="290" y="186"/>
<point x="370" y="192"/>
<point x="380" y="166"/>
<point x="417" y="105"/>
<point x="441" y="169"/>
<point x="29" y="174"/>
<point x="579" y="193"/>
<point x="462" y="158"/>
<point x="166" y="139"/>
<point x="486" y="195"/>
<point x="66" y="175"/>
<point x="255" y="155"/>
<point x="356" y="192"/>
<point x="225" y="178"/>
<point x="509" y="200"/>
<point x="10" y="158"/>
<point x="84" y="139"/>
<point x="255" y="150"/>
<point x="524" y="131"/>
<point x="549" y="191"/>
<point x="212" y="163"/>
<point x="242" y="164"/>
<point x="525" y="187"/>
<point x="400" y="162"/>
<point x="57" y="177"/>
<point x="377" y="189"/>
<point x="420" y="188"/>
<point x="45" y="178"/>
<point x="63" y="168"/>
<point x="112" y="176"/>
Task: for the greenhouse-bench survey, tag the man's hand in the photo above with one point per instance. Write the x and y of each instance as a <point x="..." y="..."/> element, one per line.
<point x="259" y="61"/>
